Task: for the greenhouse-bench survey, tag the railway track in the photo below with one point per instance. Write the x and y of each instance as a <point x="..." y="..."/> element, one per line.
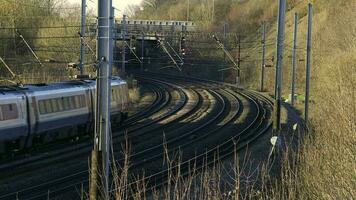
<point x="189" y="116"/>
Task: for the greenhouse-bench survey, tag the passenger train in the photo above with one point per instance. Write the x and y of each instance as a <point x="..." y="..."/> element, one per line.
<point x="43" y="113"/>
<point x="156" y="25"/>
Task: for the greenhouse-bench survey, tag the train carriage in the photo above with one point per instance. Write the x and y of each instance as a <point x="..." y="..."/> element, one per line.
<point x="13" y="119"/>
<point x="59" y="111"/>
<point x="44" y="113"/>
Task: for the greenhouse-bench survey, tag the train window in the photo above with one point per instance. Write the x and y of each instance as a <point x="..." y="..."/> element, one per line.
<point x="62" y="104"/>
<point x="76" y="102"/>
<point x="72" y="102"/>
<point x="41" y="106"/>
<point x="114" y="93"/>
<point x="66" y="103"/>
<point x="82" y="101"/>
<point x="54" y="105"/>
<point x="8" y="112"/>
<point x="48" y="106"/>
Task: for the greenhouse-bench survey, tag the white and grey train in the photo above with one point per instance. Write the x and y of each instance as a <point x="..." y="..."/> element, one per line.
<point x="43" y="113"/>
<point x="156" y="25"/>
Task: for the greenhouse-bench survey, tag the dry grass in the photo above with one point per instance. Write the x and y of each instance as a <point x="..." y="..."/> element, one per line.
<point x="218" y="180"/>
<point x="326" y="163"/>
<point x="134" y="95"/>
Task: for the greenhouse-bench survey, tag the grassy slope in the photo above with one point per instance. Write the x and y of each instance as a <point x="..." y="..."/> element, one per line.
<point x="327" y="168"/>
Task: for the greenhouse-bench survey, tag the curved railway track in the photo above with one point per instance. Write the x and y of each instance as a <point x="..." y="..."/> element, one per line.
<point x="194" y="117"/>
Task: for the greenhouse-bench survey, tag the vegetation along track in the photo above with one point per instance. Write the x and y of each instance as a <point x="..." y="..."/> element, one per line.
<point x="197" y="118"/>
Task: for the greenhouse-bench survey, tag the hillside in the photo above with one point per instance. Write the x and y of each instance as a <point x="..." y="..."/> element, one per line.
<point x="326" y="168"/>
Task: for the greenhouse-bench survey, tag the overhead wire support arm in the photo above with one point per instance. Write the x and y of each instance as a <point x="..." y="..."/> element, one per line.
<point x="225" y="69"/>
<point x="14" y="76"/>
<point x="167" y="52"/>
<point x="29" y="47"/>
<point x="86" y="44"/>
<point x="175" y="52"/>
<point x="8" y="68"/>
<point x="227" y="53"/>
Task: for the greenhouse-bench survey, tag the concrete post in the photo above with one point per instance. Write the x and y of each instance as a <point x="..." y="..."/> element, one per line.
<point x="294" y="57"/>
<point x="82" y="33"/>
<point x="263" y="56"/>
<point x="99" y="179"/>
<point x="278" y="78"/>
<point x="142" y="48"/>
<point x="123" y="64"/>
<point x="308" y="63"/>
<point x="238" y="79"/>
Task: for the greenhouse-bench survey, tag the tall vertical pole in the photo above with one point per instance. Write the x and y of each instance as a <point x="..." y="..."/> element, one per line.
<point x="112" y="40"/>
<point x="188" y="9"/>
<point x="142" y="47"/>
<point x="263" y="56"/>
<point x="278" y="80"/>
<point x="213" y="12"/>
<point x="225" y="37"/>
<point x="82" y="33"/>
<point x="14" y="13"/>
<point x="99" y="183"/>
<point x="123" y="64"/>
<point x="238" y="60"/>
<point x="294" y="56"/>
<point x="310" y="18"/>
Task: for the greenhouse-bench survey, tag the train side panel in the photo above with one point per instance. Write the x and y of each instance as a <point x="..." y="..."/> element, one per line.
<point x="59" y="114"/>
<point x="13" y="122"/>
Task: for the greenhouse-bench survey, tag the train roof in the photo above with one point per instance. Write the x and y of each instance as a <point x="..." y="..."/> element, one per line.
<point x="54" y="86"/>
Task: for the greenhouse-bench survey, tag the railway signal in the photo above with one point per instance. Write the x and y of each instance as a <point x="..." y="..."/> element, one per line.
<point x="183" y="46"/>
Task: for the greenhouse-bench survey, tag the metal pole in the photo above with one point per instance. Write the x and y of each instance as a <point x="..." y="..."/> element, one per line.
<point x="124" y="47"/>
<point x="142" y="48"/>
<point x="213" y="12"/>
<point x="238" y="60"/>
<point x="82" y="32"/>
<point x="225" y="36"/>
<point x="99" y="183"/>
<point x="308" y="63"/>
<point x="294" y="56"/>
<point x="112" y="43"/>
<point x="188" y="8"/>
<point x="278" y="81"/>
<point x="263" y="56"/>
